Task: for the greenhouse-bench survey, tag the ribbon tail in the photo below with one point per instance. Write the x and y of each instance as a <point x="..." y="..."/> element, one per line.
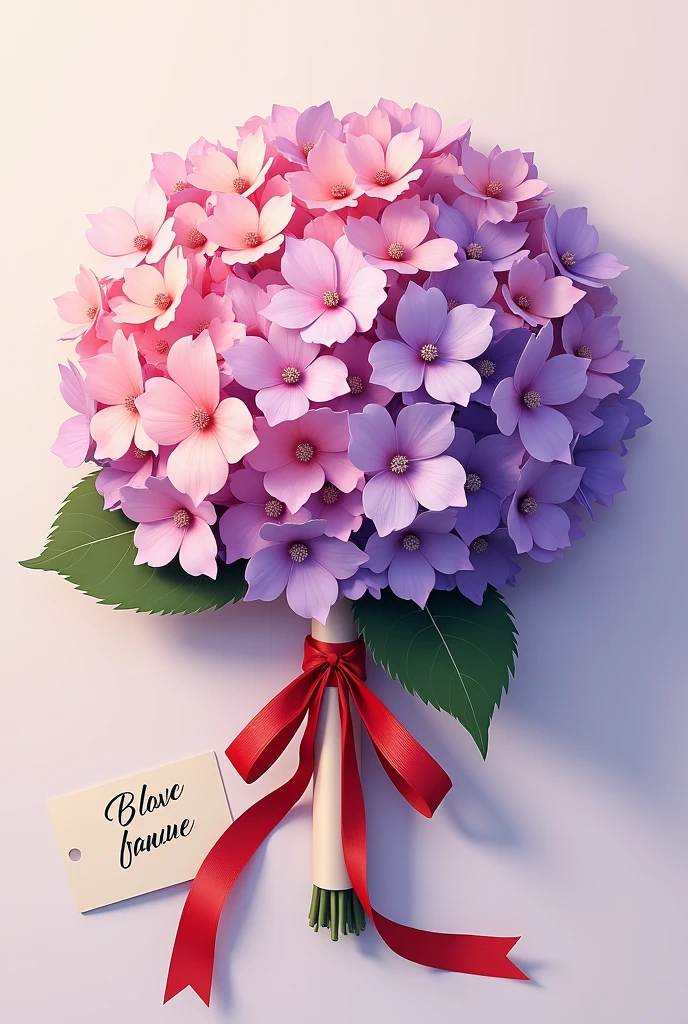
<point x="465" y="954"/>
<point x="193" y="954"/>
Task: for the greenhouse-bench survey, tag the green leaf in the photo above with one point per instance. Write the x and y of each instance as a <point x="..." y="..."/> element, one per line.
<point x="453" y="654"/>
<point x="95" y="550"/>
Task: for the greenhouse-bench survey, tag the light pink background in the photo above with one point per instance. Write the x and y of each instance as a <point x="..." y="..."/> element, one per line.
<point x="573" y="832"/>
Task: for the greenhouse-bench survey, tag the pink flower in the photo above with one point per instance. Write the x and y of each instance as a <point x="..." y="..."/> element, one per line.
<point x="396" y="242"/>
<point x="385" y="172"/>
<point x="342" y="512"/>
<point x="217" y="172"/>
<point x="355" y="353"/>
<point x="74" y="443"/>
<point x="82" y="307"/>
<point x="287" y="373"/>
<point x="186" y="411"/>
<point x="248" y="302"/>
<point x="501" y="178"/>
<point x="169" y="524"/>
<point x="152" y="295"/>
<point x="298" y="456"/>
<point x="535" y="294"/>
<point x="213" y="313"/>
<point x="329" y="183"/>
<point x="297" y="134"/>
<point x="435" y="141"/>
<point x="331" y="294"/>
<point x="188" y="218"/>
<point x="245" y="233"/>
<point x="128" y="240"/>
<point x="327" y="229"/>
<point x="241" y="524"/>
<point x="115" y="380"/>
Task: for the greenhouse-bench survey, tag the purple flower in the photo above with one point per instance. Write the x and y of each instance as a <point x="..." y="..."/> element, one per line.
<point x="534" y="515"/>
<point x="492" y="559"/>
<point x="499" y="361"/>
<point x="412" y="555"/>
<point x="74" y="443"/>
<point x="305" y="563"/>
<point x="630" y="381"/>
<point x="597" y="339"/>
<point x="465" y="222"/>
<point x="241" y="524"/>
<point x="599" y="455"/>
<point x="502" y="179"/>
<point x="492" y="470"/>
<point x="286" y="373"/>
<point x="526" y="399"/>
<point x="355" y="354"/>
<point x="133" y="470"/>
<point x="405" y="463"/>
<point x="572" y="243"/>
<point x="434" y="348"/>
<point x="341" y="511"/>
<point x="363" y="582"/>
<point x="298" y="133"/>
<point x="472" y="282"/>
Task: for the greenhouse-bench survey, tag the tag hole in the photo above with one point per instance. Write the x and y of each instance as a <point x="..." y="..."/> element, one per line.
<point x="74" y="854"/>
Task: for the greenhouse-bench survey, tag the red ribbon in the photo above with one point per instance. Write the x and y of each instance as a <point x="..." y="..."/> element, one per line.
<point x="416" y="775"/>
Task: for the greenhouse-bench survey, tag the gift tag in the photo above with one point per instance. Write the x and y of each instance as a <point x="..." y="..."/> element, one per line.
<point x="140" y="833"/>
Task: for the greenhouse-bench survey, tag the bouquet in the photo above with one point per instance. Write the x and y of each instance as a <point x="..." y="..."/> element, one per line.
<point x="363" y="364"/>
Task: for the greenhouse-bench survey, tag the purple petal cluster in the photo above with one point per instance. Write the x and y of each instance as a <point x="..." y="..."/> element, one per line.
<point x="355" y="353"/>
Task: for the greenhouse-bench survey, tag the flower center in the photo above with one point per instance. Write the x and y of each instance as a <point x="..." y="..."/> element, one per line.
<point x="429" y="353"/>
<point x="298" y="552"/>
<point x="307" y="147"/>
<point x="329" y="494"/>
<point x="474" y="251"/>
<point x="399" y="464"/>
<point x="527" y="505"/>
<point x="273" y="508"/>
<point x="251" y="239"/>
<point x="203" y="326"/>
<point x="473" y="483"/>
<point x="240" y="184"/>
<point x="523" y="301"/>
<point x="196" y="238"/>
<point x="485" y="368"/>
<point x="179" y="186"/>
<point x="91" y="312"/>
<point x="139" y="453"/>
<point x="141" y="242"/>
<point x="162" y="301"/>
<point x="395" y="251"/>
<point x="584" y="352"/>
<point x="567" y="259"/>
<point x="494" y="189"/>
<point x="130" y="403"/>
<point x="479" y="546"/>
<point x="304" y="451"/>
<point x="532" y="399"/>
<point x="331" y="299"/>
<point x="383" y="177"/>
<point x="161" y="346"/>
<point x="451" y="304"/>
<point x="182" y="518"/>
<point x="200" y="418"/>
<point x="356" y="384"/>
<point x="290" y="375"/>
<point x="411" y="542"/>
<point x="339" y="191"/>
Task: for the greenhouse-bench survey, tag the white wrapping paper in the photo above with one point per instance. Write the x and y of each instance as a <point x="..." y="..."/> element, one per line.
<point x="329" y="869"/>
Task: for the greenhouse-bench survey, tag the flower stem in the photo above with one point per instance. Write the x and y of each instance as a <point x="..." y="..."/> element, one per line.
<point x="339" y="910"/>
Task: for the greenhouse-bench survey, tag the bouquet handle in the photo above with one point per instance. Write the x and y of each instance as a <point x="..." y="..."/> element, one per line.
<point x="334" y="903"/>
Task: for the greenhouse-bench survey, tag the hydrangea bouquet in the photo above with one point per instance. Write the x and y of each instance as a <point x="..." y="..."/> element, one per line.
<point x="363" y="364"/>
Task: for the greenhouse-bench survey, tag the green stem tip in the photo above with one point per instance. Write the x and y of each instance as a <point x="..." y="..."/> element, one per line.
<point x="338" y="910"/>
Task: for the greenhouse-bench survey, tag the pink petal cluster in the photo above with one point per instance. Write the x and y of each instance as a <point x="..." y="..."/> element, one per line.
<point x="310" y="346"/>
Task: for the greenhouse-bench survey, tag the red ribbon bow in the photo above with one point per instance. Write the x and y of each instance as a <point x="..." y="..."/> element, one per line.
<point x="417" y="776"/>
